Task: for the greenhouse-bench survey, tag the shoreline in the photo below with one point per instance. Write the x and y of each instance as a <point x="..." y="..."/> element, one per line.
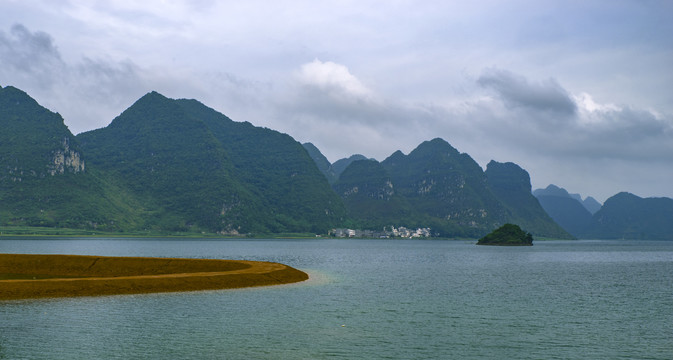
<point x="82" y="275"/>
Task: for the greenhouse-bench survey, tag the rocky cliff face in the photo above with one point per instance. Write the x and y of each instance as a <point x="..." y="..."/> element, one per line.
<point x="65" y="159"/>
<point x="35" y="141"/>
<point x="43" y="181"/>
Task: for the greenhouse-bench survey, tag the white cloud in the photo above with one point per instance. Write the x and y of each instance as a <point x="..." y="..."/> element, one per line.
<point x="333" y="79"/>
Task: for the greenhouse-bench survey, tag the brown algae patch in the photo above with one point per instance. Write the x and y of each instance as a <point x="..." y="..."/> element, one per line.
<point x="25" y="276"/>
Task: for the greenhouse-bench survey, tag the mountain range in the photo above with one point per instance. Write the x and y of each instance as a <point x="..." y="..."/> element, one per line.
<point x="438" y="187"/>
<point x="623" y="216"/>
<point x="162" y="165"/>
<point x="167" y="165"/>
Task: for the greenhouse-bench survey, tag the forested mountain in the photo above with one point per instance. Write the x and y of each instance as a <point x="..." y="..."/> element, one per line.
<point x="45" y="180"/>
<point x="198" y="170"/>
<point x="446" y="185"/>
<point x="167" y="165"/>
<point x="436" y="186"/>
<point x="292" y="193"/>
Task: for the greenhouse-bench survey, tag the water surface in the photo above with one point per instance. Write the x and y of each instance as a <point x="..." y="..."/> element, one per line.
<point x="369" y="299"/>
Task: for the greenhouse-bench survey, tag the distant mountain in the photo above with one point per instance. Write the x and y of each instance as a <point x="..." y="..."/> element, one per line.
<point x="340" y="165"/>
<point x="321" y="161"/>
<point x="567" y="211"/>
<point x="511" y="185"/>
<point x="627" y="216"/>
<point x="45" y="179"/>
<point x="591" y="204"/>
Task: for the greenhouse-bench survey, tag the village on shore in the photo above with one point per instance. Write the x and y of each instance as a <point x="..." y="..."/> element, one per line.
<point x="393" y="232"/>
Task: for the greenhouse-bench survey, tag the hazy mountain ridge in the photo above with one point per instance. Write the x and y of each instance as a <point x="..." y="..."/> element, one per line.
<point x="565" y="209"/>
<point x="589" y="203"/>
<point x="623" y="216"/>
<point x="627" y="216"/>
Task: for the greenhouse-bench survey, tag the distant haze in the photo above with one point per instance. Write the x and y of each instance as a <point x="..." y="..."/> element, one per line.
<point x="579" y="94"/>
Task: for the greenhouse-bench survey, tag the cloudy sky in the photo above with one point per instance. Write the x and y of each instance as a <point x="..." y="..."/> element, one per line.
<point x="578" y="93"/>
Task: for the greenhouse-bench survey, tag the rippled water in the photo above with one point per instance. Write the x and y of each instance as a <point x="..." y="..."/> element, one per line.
<point x="369" y="299"/>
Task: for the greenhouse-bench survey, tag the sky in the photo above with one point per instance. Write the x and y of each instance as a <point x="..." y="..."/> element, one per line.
<point x="578" y="93"/>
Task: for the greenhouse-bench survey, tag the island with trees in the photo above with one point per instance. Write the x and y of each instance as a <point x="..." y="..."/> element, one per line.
<point x="507" y="235"/>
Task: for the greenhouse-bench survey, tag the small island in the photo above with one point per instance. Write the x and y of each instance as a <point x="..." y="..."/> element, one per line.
<point x="24" y="276"/>
<point x="507" y="235"/>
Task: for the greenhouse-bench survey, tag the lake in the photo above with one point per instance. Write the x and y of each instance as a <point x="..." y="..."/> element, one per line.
<point x="367" y="299"/>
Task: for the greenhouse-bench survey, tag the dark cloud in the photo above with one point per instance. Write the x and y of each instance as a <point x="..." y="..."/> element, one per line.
<point x="627" y="134"/>
<point x="31" y="61"/>
<point x="33" y="54"/>
<point x="23" y="49"/>
<point x="517" y="91"/>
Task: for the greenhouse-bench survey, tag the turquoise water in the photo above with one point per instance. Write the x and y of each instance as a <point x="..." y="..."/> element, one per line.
<point x="367" y="299"/>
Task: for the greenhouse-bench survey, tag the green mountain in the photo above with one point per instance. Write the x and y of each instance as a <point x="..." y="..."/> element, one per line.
<point x="565" y="209"/>
<point x="436" y="186"/>
<point x="292" y="194"/>
<point x="627" y="216"/>
<point x="197" y="170"/>
<point x="511" y="185"/>
<point x="178" y="165"/>
<point x="448" y="187"/>
<point x="45" y="180"/>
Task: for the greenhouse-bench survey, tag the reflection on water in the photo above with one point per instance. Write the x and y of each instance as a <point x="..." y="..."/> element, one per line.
<point x="367" y="299"/>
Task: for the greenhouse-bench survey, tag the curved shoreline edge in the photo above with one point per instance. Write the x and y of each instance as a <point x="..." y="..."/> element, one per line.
<point x="81" y="275"/>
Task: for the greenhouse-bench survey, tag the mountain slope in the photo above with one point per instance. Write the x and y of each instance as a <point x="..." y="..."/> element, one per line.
<point x="171" y="161"/>
<point x="199" y="170"/>
<point x="627" y="216"/>
<point x="567" y="211"/>
<point x="45" y="179"/>
<point x="293" y="195"/>
<point x="511" y="185"/>
<point x="321" y="162"/>
<point x="370" y="197"/>
<point x="340" y="165"/>
<point x="446" y="185"/>
<point x="591" y="204"/>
